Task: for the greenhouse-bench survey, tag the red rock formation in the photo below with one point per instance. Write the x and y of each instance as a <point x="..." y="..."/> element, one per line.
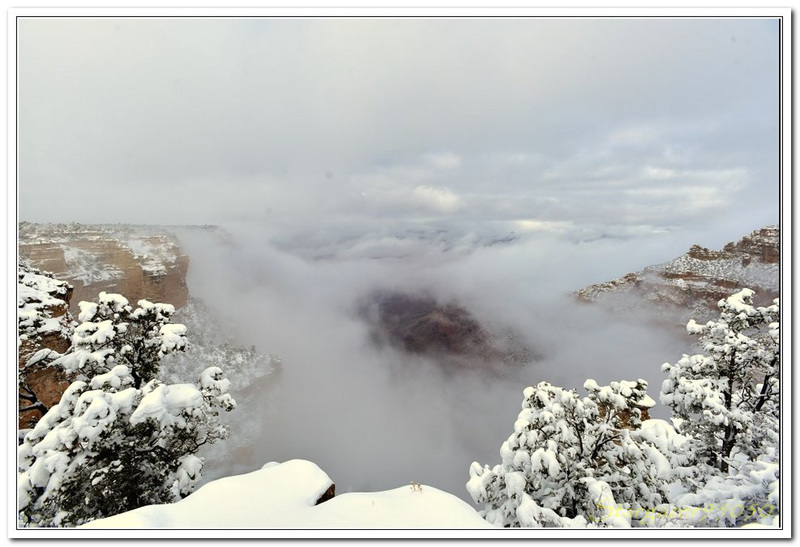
<point x="137" y="262"/>
<point x="327" y="495"/>
<point x="692" y="284"/>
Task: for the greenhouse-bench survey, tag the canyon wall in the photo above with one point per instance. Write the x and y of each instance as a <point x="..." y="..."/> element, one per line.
<point x="135" y="261"/>
<point x="692" y="284"/>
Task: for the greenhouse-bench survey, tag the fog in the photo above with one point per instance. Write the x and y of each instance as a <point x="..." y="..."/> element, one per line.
<point x="377" y="418"/>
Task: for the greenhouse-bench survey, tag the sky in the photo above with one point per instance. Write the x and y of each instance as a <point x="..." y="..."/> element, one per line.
<point x="621" y="126"/>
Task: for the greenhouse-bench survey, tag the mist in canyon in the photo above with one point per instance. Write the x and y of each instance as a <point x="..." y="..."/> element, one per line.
<point x="375" y="417"/>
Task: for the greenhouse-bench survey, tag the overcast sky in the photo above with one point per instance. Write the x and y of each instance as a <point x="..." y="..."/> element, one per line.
<point x="535" y="124"/>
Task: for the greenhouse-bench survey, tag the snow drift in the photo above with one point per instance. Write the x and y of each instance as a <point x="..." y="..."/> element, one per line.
<point x="284" y="496"/>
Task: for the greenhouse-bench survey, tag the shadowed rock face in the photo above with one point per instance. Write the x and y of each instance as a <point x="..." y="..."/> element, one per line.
<point x="419" y="324"/>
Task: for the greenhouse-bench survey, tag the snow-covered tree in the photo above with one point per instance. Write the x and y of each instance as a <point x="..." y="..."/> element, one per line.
<point x="727" y="398"/>
<point x="571" y="460"/>
<point x="119" y="438"/>
<point x="726" y="402"/>
<point x="112" y="332"/>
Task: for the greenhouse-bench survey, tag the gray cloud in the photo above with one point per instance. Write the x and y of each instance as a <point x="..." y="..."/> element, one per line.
<point x="375" y="418"/>
<point x="658" y="122"/>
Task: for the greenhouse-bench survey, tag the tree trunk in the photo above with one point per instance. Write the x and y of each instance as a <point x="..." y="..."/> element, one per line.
<point x="729" y="439"/>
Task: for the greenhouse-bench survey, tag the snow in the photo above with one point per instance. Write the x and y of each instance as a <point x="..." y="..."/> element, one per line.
<point x="187" y="474"/>
<point x="741" y="302"/>
<point x="155" y="253"/>
<point x="165" y="403"/>
<point x="31" y="283"/>
<point x="88" y="311"/>
<point x="52" y="324"/>
<point x="283" y="496"/>
<point x="116" y="301"/>
<point x="609" y="513"/>
<point x="113" y="378"/>
<point x="173" y="337"/>
<point x="94" y="333"/>
<point x="41" y="305"/>
<point x="83" y="266"/>
<point x="617" y="393"/>
<point x="212" y="379"/>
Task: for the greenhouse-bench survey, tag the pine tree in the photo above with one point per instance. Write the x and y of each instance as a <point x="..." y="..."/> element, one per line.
<point x="570" y="460"/>
<point x="727" y="399"/>
<point x="119" y="438"/>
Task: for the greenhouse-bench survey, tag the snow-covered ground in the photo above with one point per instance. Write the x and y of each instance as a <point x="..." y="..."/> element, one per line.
<point x="283" y="495"/>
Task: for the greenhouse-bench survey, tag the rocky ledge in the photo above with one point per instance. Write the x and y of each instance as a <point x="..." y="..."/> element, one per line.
<point x="691" y="285"/>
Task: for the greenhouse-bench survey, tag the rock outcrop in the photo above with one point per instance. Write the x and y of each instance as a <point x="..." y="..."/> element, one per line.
<point x="43" y="322"/>
<point x="136" y="261"/>
<point x="690" y="286"/>
<point x="419" y="324"/>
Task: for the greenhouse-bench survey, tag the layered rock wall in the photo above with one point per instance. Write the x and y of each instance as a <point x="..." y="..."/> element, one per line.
<point x="137" y="262"/>
<point x="692" y="284"/>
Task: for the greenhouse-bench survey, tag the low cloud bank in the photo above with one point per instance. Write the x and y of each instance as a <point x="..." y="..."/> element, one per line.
<point x="375" y="418"/>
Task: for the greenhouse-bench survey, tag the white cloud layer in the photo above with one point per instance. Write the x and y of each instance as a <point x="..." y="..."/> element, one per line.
<point x="564" y="120"/>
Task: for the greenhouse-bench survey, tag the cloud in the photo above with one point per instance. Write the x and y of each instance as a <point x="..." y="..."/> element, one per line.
<point x="444" y="160"/>
<point x="541" y="225"/>
<point x="373" y="418"/>
<point x="439" y="199"/>
<point x="207" y="120"/>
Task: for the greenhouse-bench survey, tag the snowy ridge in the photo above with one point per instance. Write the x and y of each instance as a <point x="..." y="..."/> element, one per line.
<point x="731" y="269"/>
<point x="393" y="242"/>
<point x="150" y="244"/>
<point x="83" y="266"/>
<point x="209" y="344"/>
<point x="283" y="496"/>
<point x="691" y="285"/>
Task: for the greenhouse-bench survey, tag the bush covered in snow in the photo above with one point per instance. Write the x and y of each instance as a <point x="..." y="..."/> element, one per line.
<point x="592" y="461"/>
<point x="571" y="460"/>
<point x="119" y="438"/>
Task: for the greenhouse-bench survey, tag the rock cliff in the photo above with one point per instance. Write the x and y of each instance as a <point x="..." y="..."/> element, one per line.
<point x="43" y="322"/>
<point x="136" y="261"/>
<point x="691" y="285"/>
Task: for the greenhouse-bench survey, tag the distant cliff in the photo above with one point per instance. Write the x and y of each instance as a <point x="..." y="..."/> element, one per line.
<point x="137" y="261"/>
<point x="691" y="285"/>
